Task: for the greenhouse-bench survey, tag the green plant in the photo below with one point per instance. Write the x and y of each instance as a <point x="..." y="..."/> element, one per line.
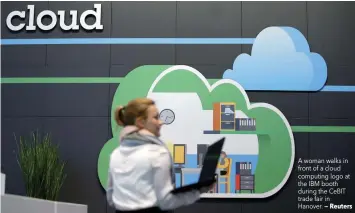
<point x="42" y="169"/>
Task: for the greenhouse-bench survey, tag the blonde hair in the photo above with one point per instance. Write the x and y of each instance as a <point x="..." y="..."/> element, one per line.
<point x="137" y="108"/>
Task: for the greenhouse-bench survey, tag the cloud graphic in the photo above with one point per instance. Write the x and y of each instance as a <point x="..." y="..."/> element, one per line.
<point x="276" y="143"/>
<point x="280" y="60"/>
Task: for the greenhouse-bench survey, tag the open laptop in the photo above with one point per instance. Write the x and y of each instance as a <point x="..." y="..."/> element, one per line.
<point x="208" y="171"/>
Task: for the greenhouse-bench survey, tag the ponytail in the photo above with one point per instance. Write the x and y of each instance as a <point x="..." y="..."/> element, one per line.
<point x="119" y="116"/>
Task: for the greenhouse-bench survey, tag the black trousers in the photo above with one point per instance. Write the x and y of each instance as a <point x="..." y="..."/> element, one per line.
<point x="147" y="210"/>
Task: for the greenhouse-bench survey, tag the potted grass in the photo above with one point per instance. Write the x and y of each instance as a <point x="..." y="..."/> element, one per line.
<point x="41" y="167"/>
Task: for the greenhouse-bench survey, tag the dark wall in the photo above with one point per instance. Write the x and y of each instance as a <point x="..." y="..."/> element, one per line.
<point x="78" y="115"/>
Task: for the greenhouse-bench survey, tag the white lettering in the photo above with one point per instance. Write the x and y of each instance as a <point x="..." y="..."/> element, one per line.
<point x="31" y="21"/>
<point x="11" y="16"/>
<point x="74" y="23"/>
<point x="340" y="206"/>
<point x="97" y="15"/>
<point x="34" y="22"/>
<point x="46" y="13"/>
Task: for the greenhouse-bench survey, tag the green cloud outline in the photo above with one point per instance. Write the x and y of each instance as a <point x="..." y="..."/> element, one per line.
<point x="158" y="73"/>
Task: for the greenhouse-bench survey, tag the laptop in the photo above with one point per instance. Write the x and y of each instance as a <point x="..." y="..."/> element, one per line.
<point x="208" y="171"/>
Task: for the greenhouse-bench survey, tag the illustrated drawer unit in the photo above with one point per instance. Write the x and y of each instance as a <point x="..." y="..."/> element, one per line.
<point x="228" y="117"/>
<point x="226" y="125"/>
<point x="246" y="182"/>
<point x="247" y="178"/>
<point x="224" y="116"/>
<point x="246" y="187"/>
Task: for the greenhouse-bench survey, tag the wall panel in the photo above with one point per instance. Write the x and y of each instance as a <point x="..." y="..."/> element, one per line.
<point x="78" y="115"/>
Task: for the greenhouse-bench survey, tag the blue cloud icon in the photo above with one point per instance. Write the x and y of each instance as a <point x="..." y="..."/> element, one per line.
<point x="280" y="60"/>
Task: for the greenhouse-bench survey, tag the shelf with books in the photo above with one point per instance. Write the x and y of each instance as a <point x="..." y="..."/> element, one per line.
<point x="214" y="132"/>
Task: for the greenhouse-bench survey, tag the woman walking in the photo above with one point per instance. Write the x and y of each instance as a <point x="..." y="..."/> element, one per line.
<point x="141" y="172"/>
